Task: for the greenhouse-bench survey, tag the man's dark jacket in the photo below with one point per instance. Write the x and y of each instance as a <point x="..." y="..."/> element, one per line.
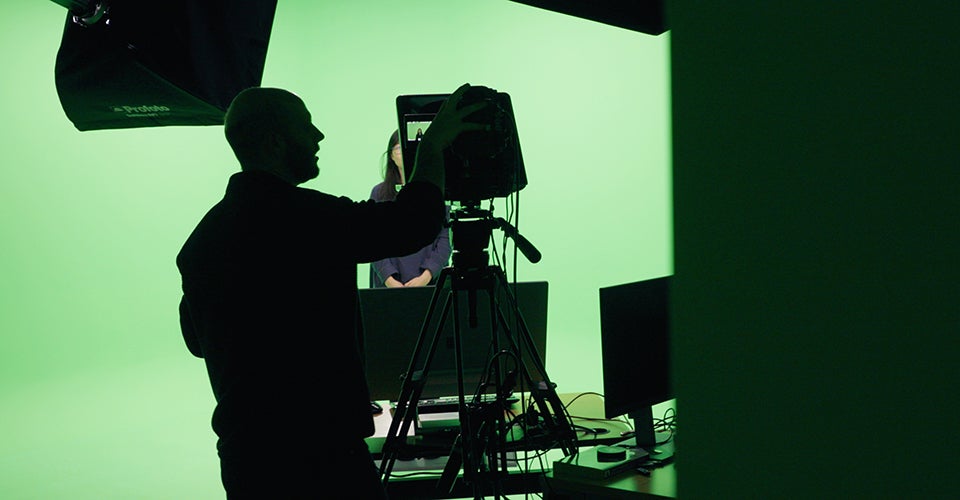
<point x="270" y="303"/>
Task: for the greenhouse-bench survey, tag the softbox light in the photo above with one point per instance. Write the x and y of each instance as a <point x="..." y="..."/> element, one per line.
<point x="151" y="64"/>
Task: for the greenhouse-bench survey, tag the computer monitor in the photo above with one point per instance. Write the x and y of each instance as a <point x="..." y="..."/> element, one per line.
<point x="392" y="323"/>
<point x="635" y="350"/>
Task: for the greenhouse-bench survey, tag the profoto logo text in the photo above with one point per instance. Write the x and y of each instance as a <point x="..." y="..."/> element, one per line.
<point x="139" y="111"/>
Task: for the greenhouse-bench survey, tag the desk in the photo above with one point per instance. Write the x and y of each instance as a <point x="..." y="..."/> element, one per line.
<point x="417" y="478"/>
<point x="662" y="483"/>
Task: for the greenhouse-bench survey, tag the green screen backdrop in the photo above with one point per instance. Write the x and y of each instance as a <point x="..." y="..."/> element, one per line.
<point x="98" y="396"/>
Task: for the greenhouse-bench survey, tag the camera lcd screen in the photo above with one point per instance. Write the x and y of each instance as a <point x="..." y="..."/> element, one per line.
<point x="416" y="126"/>
<point x="415" y="113"/>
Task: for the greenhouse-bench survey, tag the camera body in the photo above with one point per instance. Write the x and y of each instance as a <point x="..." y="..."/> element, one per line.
<point x="489" y="143"/>
<point x="480" y="164"/>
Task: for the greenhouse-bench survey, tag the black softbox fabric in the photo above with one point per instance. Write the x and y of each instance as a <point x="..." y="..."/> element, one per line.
<point x="645" y="16"/>
<point x="152" y="64"/>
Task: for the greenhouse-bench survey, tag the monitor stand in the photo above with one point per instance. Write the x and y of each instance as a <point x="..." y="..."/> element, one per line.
<point x="659" y="445"/>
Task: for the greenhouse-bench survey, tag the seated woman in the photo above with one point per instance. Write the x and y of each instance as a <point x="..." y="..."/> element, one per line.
<point x="417" y="269"/>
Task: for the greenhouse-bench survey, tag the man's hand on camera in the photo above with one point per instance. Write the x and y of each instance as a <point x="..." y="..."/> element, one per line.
<point x="446" y="126"/>
<point x="449" y="121"/>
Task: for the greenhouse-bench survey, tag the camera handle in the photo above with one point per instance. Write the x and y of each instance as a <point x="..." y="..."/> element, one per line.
<point x="523" y="244"/>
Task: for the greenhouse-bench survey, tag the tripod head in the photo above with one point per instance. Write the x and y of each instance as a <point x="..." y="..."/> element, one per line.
<point x="472" y="228"/>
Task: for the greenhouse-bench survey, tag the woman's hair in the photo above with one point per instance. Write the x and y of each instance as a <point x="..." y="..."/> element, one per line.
<point x="387" y="190"/>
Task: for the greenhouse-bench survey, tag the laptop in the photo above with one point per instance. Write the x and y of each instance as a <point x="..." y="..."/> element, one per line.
<point x="393" y="319"/>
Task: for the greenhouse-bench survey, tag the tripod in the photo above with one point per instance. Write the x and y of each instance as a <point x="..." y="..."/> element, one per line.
<point x="486" y="437"/>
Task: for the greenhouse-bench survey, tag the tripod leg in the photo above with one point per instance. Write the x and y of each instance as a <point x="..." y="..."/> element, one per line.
<point x="412" y="386"/>
<point x="460" y="458"/>
<point x="555" y="419"/>
<point x="482" y="444"/>
<point x="496" y="419"/>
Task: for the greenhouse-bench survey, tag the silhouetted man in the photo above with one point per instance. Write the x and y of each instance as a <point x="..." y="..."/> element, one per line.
<point x="270" y="300"/>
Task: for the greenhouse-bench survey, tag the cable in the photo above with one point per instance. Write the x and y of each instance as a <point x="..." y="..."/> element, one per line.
<point x="666" y="423"/>
<point x="582" y="394"/>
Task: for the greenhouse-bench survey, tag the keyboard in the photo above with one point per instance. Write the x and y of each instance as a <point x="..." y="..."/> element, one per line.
<point x="444" y="404"/>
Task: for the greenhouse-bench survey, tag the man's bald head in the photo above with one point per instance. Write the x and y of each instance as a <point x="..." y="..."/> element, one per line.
<point x="254" y="115"/>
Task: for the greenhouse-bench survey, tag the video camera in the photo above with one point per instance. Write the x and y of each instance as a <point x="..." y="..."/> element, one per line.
<point x="479" y="165"/>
